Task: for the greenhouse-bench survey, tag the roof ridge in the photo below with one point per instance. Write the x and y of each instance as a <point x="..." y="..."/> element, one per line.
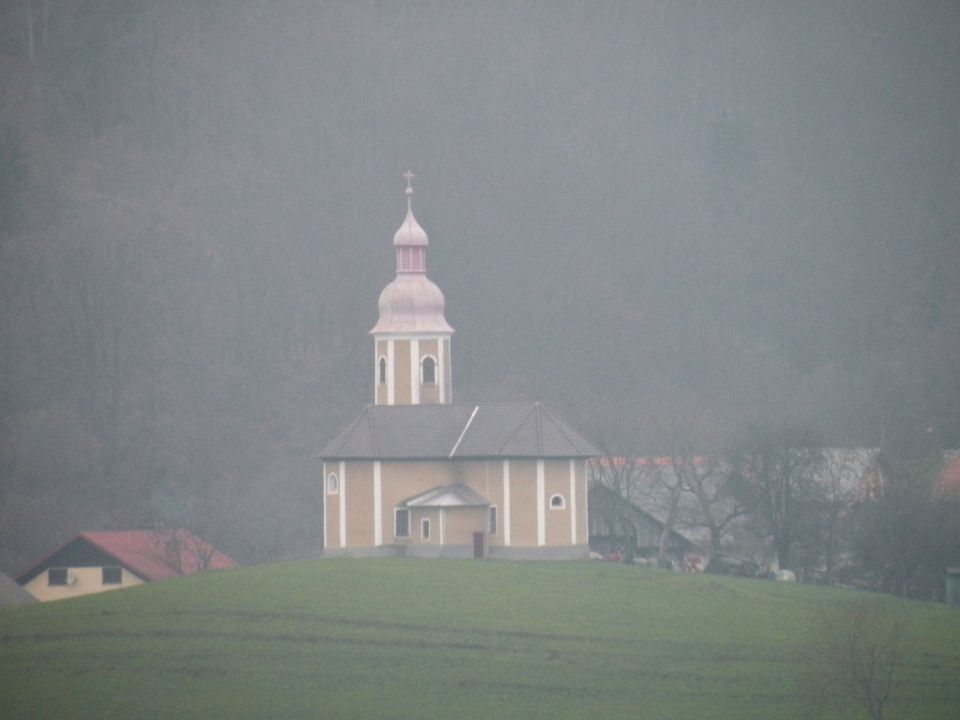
<point x="342" y="438"/>
<point x="464" y="431"/>
<point x="517" y="428"/>
<point x="568" y="433"/>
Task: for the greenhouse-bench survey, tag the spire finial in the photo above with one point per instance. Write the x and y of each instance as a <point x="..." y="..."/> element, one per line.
<point x="409" y="191"/>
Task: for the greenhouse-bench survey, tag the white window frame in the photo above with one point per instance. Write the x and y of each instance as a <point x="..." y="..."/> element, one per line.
<point x="333" y="484"/>
<point x="425" y="529"/>
<point x="396" y="514"/>
<point x="563" y="502"/>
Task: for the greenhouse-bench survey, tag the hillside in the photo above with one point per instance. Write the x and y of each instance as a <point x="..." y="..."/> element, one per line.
<point x="369" y="639"/>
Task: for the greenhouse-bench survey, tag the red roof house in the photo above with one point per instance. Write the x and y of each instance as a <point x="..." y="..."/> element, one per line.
<point x="98" y="561"/>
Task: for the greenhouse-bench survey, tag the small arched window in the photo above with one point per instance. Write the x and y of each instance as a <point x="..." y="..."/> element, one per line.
<point x="382" y="371"/>
<point x="428" y="371"/>
<point x="557" y="502"/>
<point x="333" y="484"/>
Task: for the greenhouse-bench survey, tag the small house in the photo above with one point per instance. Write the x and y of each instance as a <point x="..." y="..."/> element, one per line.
<point x="98" y="561"/>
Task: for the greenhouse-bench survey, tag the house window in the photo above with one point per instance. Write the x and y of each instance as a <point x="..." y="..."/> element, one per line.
<point x="112" y="576"/>
<point x="424" y="530"/>
<point x="401" y="523"/>
<point x="382" y="371"/>
<point x="57" y="576"/>
<point x="557" y="502"/>
<point x="333" y="484"/>
<point x="428" y="371"/>
<point x="493" y="519"/>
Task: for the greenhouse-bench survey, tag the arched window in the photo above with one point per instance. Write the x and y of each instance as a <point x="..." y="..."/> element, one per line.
<point x="557" y="502"/>
<point x="428" y="371"/>
<point x="382" y="370"/>
<point x="333" y="484"/>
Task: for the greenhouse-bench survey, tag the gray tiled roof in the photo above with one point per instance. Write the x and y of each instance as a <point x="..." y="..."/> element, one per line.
<point x="460" y="431"/>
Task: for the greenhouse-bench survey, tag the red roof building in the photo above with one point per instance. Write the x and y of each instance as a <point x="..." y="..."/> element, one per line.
<point x="98" y="561"/>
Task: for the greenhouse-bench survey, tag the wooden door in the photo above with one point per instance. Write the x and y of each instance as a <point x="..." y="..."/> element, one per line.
<point x="478" y="544"/>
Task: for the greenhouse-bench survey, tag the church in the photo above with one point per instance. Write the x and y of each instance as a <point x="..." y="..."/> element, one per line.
<point x="416" y="474"/>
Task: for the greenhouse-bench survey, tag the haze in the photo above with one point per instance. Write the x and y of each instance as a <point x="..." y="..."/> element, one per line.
<point x="755" y="205"/>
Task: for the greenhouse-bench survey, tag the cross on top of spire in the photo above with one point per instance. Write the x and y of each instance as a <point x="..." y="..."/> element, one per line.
<point x="409" y="176"/>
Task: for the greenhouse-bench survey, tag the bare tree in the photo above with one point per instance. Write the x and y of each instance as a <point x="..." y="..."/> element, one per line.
<point x="773" y="474"/>
<point x="182" y="551"/>
<point x="854" y="659"/>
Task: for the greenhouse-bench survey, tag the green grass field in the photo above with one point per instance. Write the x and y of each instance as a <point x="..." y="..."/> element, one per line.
<point x="445" y="639"/>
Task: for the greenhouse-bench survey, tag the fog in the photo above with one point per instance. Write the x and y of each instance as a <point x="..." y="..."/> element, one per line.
<point x="751" y="206"/>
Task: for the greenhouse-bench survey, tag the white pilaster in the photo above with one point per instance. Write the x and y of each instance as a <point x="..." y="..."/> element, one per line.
<point x="343" y="504"/>
<point x="506" y="503"/>
<point x="573" y="502"/>
<point x="326" y="501"/>
<point x="377" y="505"/>
<point x="541" y="505"/>
<point x="441" y="373"/>
<point x="414" y="371"/>
<point x="391" y="380"/>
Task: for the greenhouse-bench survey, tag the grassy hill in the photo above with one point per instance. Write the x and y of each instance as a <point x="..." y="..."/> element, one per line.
<point x="422" y="639"/>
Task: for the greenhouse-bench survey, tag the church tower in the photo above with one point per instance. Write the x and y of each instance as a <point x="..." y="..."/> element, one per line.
<point x="412" y="337"/>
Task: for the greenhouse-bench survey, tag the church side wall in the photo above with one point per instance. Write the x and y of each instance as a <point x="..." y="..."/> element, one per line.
<point x="486" y="477"/>
<point x="557" y="482"/>
<point x="401" y="480"/>
<point x="462" y="523"/>
<point x="331" y="508"/>
<point x="359" y="493"/>
<point x="523" y="502"/>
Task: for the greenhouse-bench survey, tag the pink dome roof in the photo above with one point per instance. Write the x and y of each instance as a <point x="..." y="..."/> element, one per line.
<point x="411" y="303"/>
<point x="410" y="233"/>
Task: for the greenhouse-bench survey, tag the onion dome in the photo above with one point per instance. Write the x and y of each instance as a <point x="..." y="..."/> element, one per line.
<point x="411" y="303"/>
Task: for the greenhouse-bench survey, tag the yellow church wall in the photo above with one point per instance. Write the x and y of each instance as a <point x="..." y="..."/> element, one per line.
<point x="416" y="531"/>
<point x="486" y="477"/>
<point x="523" y="503"/>
<point x="359" y="493"/>
<point x="86" y="581"/>
<point x="580" y="468"/>
<point x="401" y="480"/>
<point x="462" y="523"/>
<point x="401" y="372"/>
<point x="557" y="482"/>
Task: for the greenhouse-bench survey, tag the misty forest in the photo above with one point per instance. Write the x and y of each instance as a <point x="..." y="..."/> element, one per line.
<point x="639" y="212"/>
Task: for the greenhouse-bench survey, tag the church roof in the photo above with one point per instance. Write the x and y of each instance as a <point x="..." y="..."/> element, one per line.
<point x="505" y="430"/>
